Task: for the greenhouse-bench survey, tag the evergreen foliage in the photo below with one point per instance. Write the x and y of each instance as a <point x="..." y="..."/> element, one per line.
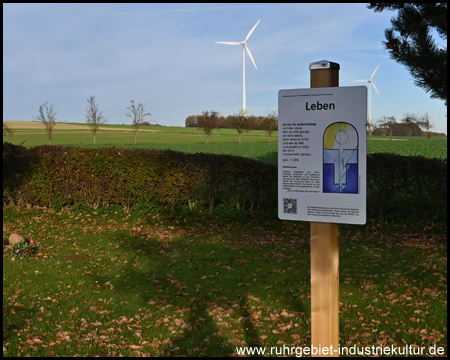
<point x="411" y="42"/>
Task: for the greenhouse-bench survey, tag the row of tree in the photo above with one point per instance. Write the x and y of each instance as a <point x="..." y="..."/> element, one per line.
<point x="94" y="118"/>
<point x="210" y="120"/>
<point x="410" y="125"/>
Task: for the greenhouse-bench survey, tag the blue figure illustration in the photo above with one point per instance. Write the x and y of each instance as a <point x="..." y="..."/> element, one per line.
<point x="340" y="159"/>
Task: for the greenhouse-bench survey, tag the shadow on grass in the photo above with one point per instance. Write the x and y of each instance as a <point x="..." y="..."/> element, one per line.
<point x="214" y="285"/>
<point x="205" y="290"/>
<point x="14" y="319"/>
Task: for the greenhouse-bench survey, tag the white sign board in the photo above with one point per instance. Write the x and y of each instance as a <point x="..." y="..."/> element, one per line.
<point x="322" y="154"/>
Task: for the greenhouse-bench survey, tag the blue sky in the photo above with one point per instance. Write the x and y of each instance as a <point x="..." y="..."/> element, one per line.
<point x="165" y="55"/>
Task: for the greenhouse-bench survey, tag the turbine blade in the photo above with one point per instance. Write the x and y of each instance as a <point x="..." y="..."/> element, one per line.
<point x="228" y="42"/>
<point x="251" y="31"/>
<point x="374" y="72"/>
<point x="251" y="57"/>
<point x="361" y="80"/>
<point x="375" y="89"/>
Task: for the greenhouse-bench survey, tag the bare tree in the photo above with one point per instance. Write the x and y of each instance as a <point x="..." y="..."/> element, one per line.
<point x="208" y="121"/>
<point x="425" y="122"/>
<point x="240" y="123"/>
<point x="137" y="115"/>
<point x="47" y="116"/>
<point x="94" y="117"/>
<point x="271" y="122"/>
<point x="7" y="131"/>
<point x="411" y="121"/>
<point x="388" y="122"/>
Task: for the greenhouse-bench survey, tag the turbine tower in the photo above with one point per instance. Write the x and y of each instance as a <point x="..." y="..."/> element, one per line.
<point x="370" y="98"/>
<point x="245" y="49"/>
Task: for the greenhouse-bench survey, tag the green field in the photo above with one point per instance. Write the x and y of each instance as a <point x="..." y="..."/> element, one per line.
<point x="416" y="146"/>
<point x="255" y="144"/>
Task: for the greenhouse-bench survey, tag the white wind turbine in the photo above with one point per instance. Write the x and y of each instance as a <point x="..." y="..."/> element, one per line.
<point x="244" y="48"/>
<point x="370" y="98"/>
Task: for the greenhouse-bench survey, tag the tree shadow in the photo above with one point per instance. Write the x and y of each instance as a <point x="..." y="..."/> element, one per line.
<point x="203" y="337"/>
<point x="14" y="319"/>
<point x="207" y="281"/>
<point x="251" y="335"/>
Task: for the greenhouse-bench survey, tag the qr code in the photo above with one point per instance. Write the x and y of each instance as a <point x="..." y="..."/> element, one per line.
<point x="290" y="206"/>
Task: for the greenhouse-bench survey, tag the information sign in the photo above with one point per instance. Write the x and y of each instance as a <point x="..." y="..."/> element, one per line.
<point x="322" y="154"/>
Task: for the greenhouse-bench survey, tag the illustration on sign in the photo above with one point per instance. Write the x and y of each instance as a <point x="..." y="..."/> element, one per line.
<point x="340" y="159"/>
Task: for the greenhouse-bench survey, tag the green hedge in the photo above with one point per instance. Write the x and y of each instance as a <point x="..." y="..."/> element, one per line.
<point x="412" y="187"/>
<point x="158" y="180"/>
<point x="56" y="176"/>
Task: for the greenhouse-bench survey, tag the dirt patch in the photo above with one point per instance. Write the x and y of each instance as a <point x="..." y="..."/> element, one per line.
<point x="36" y="125"/>
<point x="387" y="139"/>
<point x="78" y="257"/>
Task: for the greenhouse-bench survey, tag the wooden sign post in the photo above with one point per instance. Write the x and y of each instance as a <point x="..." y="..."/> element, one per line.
<point x="322" y="179"/>
<point x="324" y="254"/>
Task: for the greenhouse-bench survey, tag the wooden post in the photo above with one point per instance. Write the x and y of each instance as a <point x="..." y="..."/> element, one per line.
<point x="324" y="254"/>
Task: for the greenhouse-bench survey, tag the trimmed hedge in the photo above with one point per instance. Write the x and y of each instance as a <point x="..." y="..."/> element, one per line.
<point x="56" y="176"/>
<point x="411" y="187"/>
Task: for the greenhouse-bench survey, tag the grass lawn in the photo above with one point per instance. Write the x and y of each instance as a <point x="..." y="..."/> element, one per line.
<point x="107" y="283"/>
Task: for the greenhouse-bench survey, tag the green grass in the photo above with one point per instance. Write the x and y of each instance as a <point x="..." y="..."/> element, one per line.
<point x="416" y="146"/>
<point x="108" y="283"/>
<point x="123" y="135"/>
<point x="255" y="144"/>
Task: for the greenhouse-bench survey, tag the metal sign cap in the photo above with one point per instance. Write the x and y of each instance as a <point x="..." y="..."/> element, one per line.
<point x="323" y="64"/>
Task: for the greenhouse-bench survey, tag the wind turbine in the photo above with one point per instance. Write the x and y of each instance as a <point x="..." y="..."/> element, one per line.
<point x="370" y="98"/>
<point x="244" y="48"/>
